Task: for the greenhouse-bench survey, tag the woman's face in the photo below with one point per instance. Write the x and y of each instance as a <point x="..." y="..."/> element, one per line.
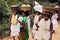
<point x="14" y="12"/>
<point x="54" y="12"/>
<point x="37" y="13"/>
<point x="23" y="14"/>
<point x="46" y="18"/>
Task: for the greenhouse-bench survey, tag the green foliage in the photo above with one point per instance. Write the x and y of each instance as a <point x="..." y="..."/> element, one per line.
<point x="4" y="23"/>
<point x="4" y="12"/>
<point x="11" y="2"/>
<point x="4" y="7"/>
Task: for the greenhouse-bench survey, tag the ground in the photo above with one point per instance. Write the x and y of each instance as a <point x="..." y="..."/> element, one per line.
<point x="56" y="35"/>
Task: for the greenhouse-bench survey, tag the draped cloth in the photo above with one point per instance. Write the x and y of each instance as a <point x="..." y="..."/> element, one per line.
<point x="25" y="22"/>
<point x="54" y="21"/>
<point x="44" y="27"/>
<point x="14" y="20"/>
<point x="15" y="26"/>
<point x="36" y="20"/>
<point x="38" y="7"/>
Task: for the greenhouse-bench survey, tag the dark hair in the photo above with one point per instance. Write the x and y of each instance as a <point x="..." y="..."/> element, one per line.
<point x="27" y="13"/>
<point x="56" y="11"/>
<point x="19" y="11"/>
<point x="48" y="15"/>
<point x="37" y="12"/>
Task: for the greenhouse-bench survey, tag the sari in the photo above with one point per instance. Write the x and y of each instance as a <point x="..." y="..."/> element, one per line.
<point x="26" y="27"/>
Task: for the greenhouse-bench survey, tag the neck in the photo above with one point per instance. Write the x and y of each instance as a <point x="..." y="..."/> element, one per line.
<point x="14" y="14"/>
<point x="46" y="19"/>
<point x="38" y="14"/>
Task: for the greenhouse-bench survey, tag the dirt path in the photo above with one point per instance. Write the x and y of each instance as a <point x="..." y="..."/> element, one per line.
<point x="56" y="35"/>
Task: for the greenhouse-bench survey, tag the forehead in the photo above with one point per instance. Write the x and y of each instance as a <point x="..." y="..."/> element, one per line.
<point x="46" y="15"/>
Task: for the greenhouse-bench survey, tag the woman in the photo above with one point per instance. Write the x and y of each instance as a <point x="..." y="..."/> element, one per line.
<point x="26" y="24"/>
<point x="44" y="29"/>
<point x="37" y="18"/>
<point x="54" y="20"/>
<point x="15" y="26"/>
